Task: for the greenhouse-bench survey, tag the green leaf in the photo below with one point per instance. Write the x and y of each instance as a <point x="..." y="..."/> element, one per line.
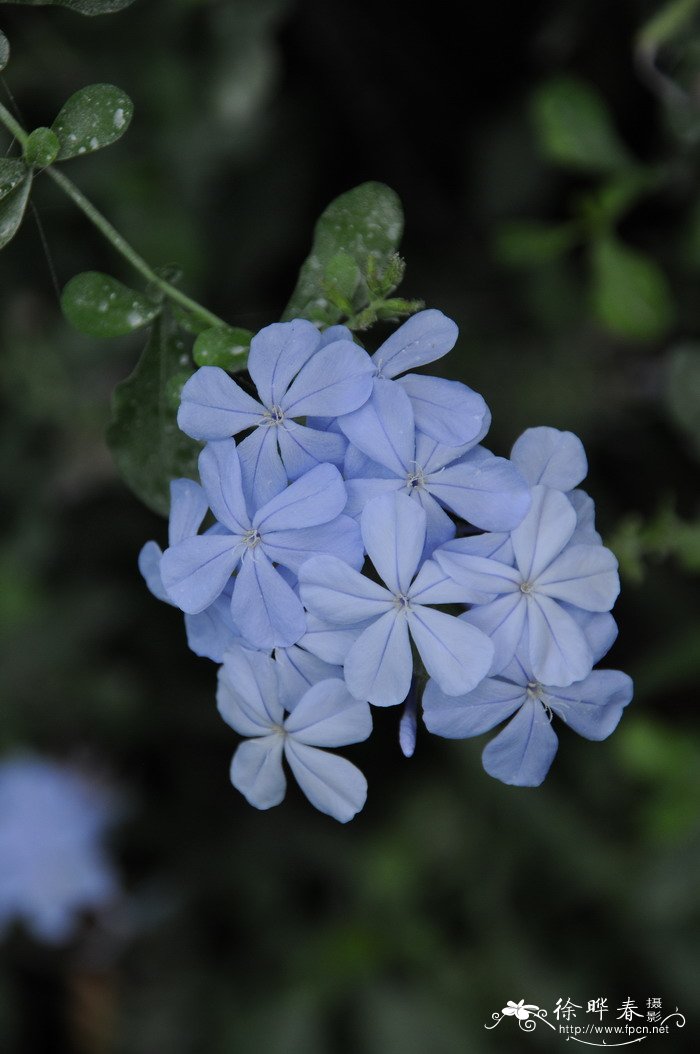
<point x="12" y="207"/>
<point x="93" y="118"/>
<point x="12" y="173"/>
<point x="683" y="390"/>
<point x="341" y="280"/>
<point x="100" y="306"/>
<point x="630" y="293"/>
<point x="522" y="243"/>
<point x="84" y="7"/>
<point x="4" y="51"/>
<point x="224" y="347"/>
<point x="41" y="148"/>
<point x="364" y="224"/>
<point x="148" y="447"/>
<point x="574" y="127"/>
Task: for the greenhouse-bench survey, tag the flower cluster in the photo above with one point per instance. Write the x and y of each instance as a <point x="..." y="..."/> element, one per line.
<point x="359" y="521"/>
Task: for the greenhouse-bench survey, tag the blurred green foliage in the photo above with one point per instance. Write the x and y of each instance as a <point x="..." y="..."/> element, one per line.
<point x="551" y="198"/>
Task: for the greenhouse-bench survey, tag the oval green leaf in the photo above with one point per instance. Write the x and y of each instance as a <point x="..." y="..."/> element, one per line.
<point x="100" y="306"/>
<point x="93" y="118"/>
<point x="574" y="127"/>
<point x="83" y="7"/>
<point x="12" y="208"/>
<point x="223" y="346"/>
<point x="364" y="224"/>
<point x="12" y="173"/>
<point x="41" y="149"/>
<point x="683" y="390"/>
<point x="4" y="51"/>
<point x="148" y="447"/>
<point x="630" y="293"/>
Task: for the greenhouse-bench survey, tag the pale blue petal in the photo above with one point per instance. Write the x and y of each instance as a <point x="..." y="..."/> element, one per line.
<point x="599" y="628"/>
<point x="439" y="528"/>
<point x="362" y="491"/>
<point x="423" y="338"/>
<point x="331" y="783"/>
<point x="550" y="457"/>
<point x="497" y="545"/>
<point x="341" y="537"/>
<point x="379" y="666"/>
<point x="303" y="448"/>
<point x="456" y="654"/>
<point x="256" y="771"/>
<point x="211" y="633"/>
<point x="559" y="651"/>
<point x="522" y="753"/>
<point x="544" y="532"/>
<point x="316" y="497"/>
<point x="583" y="575"/>
<point x="328" y="642"/>
<point x="188" y="507"/>
<point x="431" y="455"/>
<point x="277" y="353"/>
<point x="262" y="471"/>
<point x="445" y="410"/>
<point x="357" y="465"/>
<point x="393" y="530"/>
<point x="461" y="716"/>
<point x="220" y="472"/>
<point x="149" y="566"/>
<point x="248" y="695"/>
<point x="383" y="428"/>
<point x="214" y="407"/>
<point x="482" y="578"/>
<point x="266" y="610"/>
<point x="196" y="571"/>
<point x="334" y="333"/>
<point x="503" y="620"/>
<point x="584" y="507"/>
<point x="336" y="593"/>
<point x="432" y="585"/>
<point x="328" y="716"/>
<point x="298" y="671"/>
<point x="337" y="380"/>
<point x="488" y="492"/>
<point x="408" y="725"/>
<point x="593" y="707"/>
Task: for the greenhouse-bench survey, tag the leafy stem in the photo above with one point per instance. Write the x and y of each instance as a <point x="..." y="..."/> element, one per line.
<point x="111" y="234"/>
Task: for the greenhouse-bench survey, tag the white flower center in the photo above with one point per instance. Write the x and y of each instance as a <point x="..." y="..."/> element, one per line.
<point x="252" y="538"/>
<point x="527" y="588"/>
<point x="415" y="479"/>
<point x="273" y="416"/>
<point x="402" y="602"/>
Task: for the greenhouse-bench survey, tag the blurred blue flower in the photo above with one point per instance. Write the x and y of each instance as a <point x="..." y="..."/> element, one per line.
<point x="254" y="693"/>
<point x="522" y="752"/>
<point x="296" y="375"/>
<point x="300" y="521"/>
<point x="379" y="665"/>
<point x="531" y="591"/>
<point x="485" y="490"/>
<point x="52" y="862"/>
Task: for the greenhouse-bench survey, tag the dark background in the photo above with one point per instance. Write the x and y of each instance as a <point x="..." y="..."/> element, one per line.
<point x="285" y="932"/>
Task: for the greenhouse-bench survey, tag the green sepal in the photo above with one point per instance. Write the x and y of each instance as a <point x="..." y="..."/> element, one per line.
<point x="223" y="346"/>
<point x="41" y="148"/>
<point x="91" y="119"/>
<point x="12" y="173"/>
<point x="630" y="294"/>
<point x="100" y="306"/>
<point x="4" y="51"/>
<point x="148" y="447"/>
<point x="83" y="7"/>
<point x="364" y="224"/>
<point x="394" y="308"/>
<point x="12" y="208"/>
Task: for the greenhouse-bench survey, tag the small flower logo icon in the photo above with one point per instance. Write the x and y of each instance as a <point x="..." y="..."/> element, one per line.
<point x="521" y="1010"/>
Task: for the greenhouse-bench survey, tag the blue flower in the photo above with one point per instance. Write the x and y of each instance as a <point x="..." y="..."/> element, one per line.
<point x="302" y="520"/>
<point x="379" y="665"/>
<point x="211" y="632"/>
<point x="523" y="751"/>
<point x="531" y="591"/>
<point x="254" y="693"/>
<point x="447" y="411"/>
<point x="296" y="375"/>
<point x="551" y="458"/>
<point x="487" y="491"/>
<point x="52" y="823"/>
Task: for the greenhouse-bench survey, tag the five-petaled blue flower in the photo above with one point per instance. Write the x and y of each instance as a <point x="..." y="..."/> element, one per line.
<point x="303" y="518"/>
<point x="254" y="693"/>
<point x="379" y="665"/>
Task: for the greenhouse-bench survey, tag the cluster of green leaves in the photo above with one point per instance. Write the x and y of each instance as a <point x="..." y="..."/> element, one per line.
<point x="628" y="292"/>
<point x="83" y="7"/>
